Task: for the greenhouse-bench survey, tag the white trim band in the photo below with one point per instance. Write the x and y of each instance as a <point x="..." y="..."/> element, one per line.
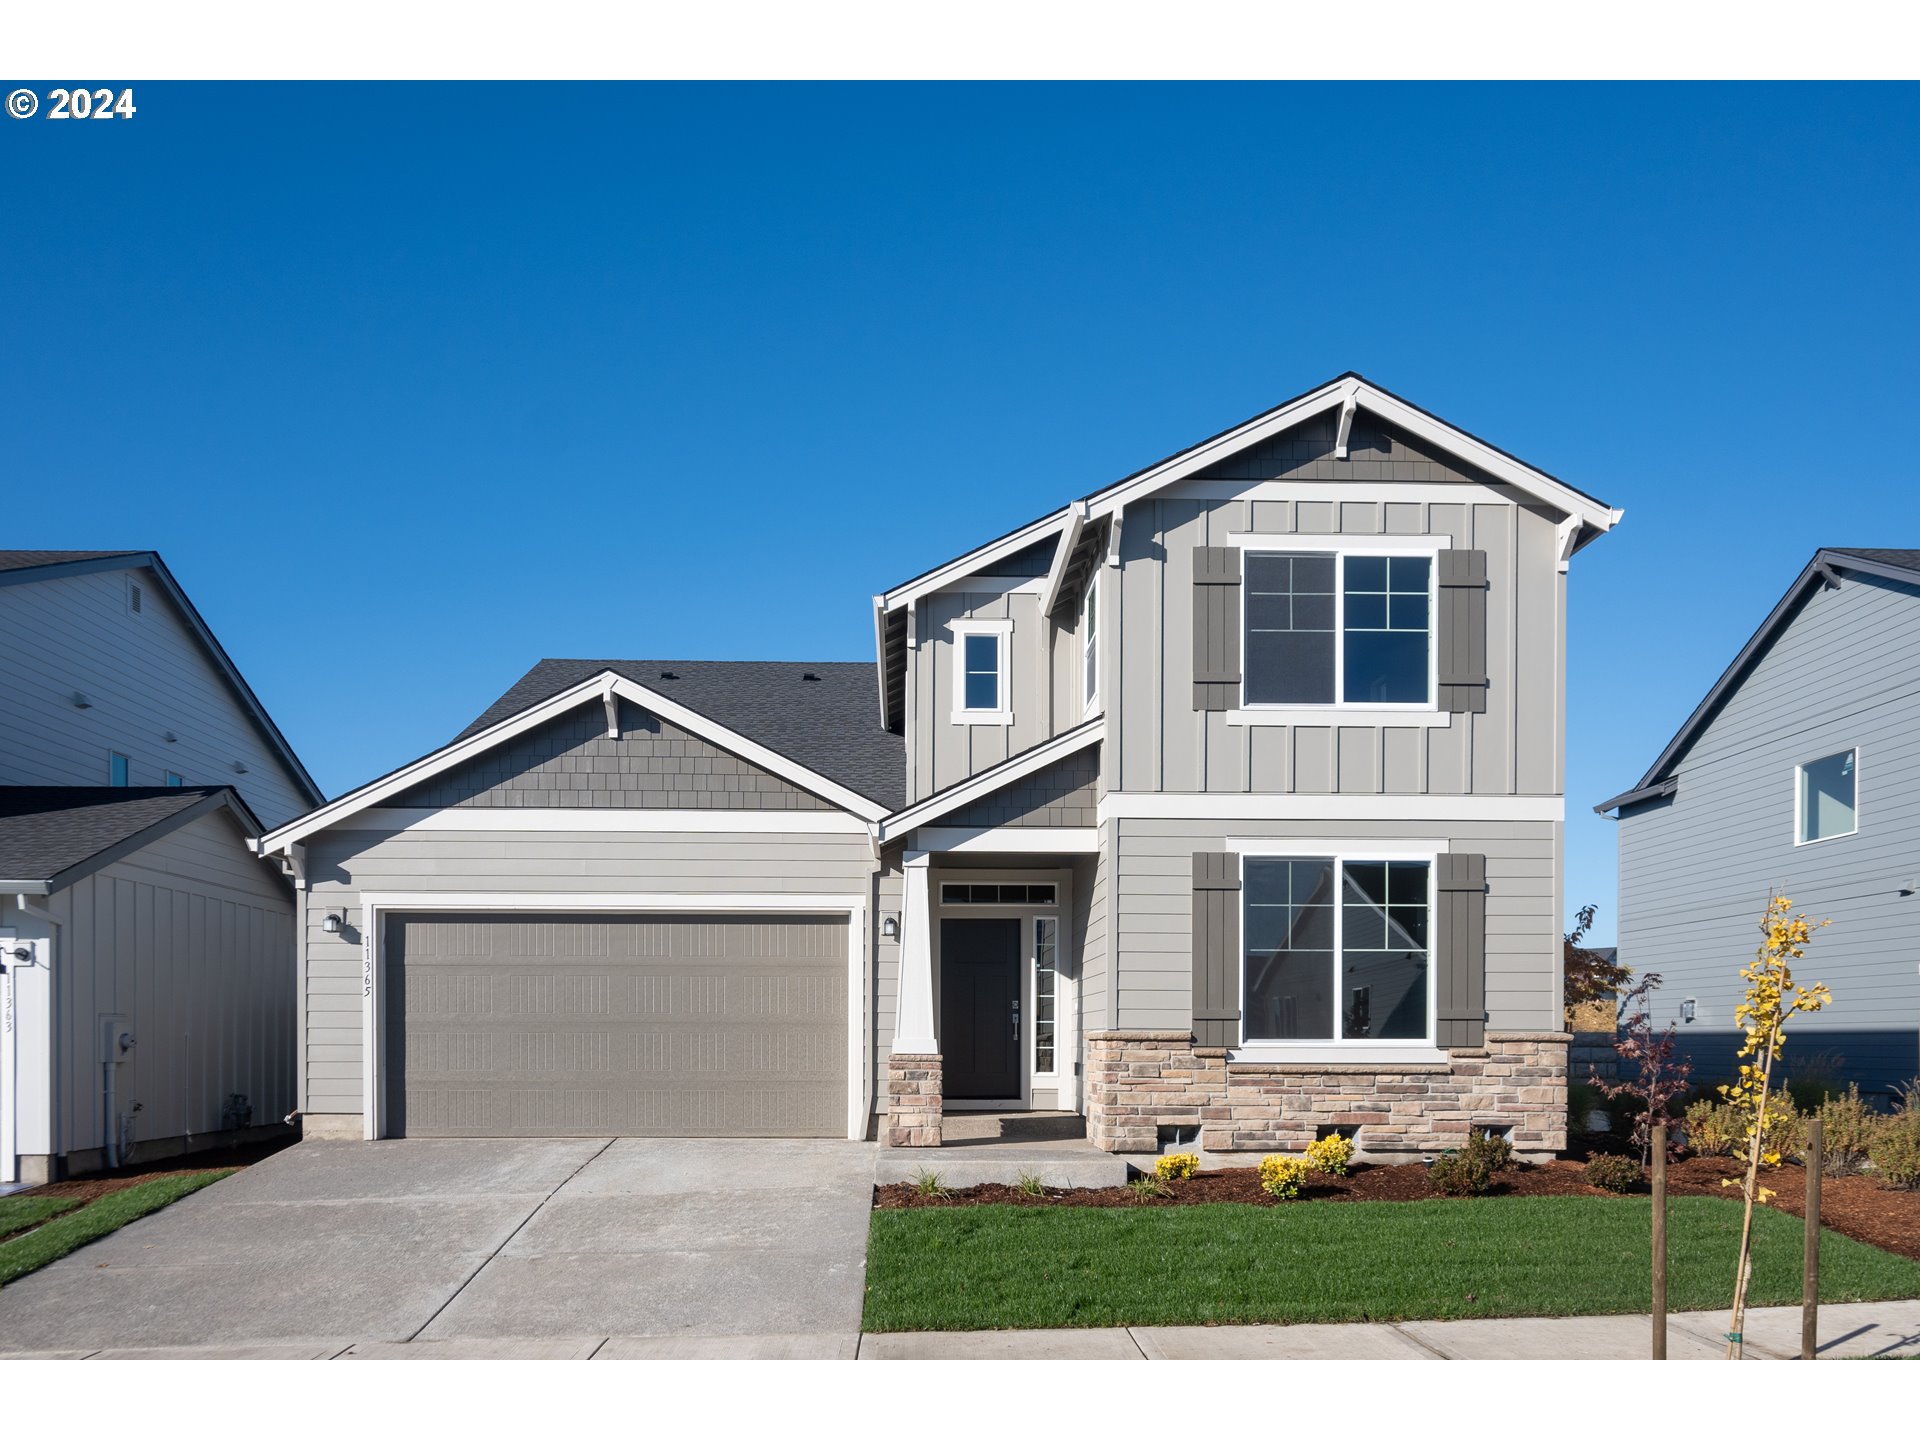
<point x="687" y="822"/>
<point x="1142" y="805"/>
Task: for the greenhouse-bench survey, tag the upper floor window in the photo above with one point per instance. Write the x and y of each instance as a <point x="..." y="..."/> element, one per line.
<point x="174" y="781"/>
<point x="1090" y="645"/>
<point x="117" y="768"/>
<point x="1825" y="801"/>
<point x="980" y="672"/>
<point x="1336" y="950"/>
<point x="1348" y="628"/>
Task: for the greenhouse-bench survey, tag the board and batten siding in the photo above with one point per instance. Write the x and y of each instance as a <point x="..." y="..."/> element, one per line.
<point x="191" y="939"/>
<point x="1153" y="908"/>
<point x="145" y="674"/>
<point x="1696" y="871"/>
<point x="343" y="864"/>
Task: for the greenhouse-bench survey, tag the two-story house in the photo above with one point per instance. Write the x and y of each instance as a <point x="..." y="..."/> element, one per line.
<point x="146" y="954"/>
<point x="1222" y="806"/>
<point x="1798" y="775"/>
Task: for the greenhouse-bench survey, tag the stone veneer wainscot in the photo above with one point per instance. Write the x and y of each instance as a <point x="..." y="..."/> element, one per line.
<point x="1140" y="1080"/>
<point x="914" y="1098"/>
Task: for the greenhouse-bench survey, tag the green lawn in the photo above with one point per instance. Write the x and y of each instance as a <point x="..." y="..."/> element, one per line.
<point x="23" y="1212"/>
<point x="66" y="1233"/>
<point x="1010" y="1267"/>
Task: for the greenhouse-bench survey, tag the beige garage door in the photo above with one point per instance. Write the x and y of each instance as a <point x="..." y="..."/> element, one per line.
<point x="616" y="1025"/>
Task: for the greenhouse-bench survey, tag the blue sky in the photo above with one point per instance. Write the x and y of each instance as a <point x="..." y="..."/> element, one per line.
<point x="414" y="385"/>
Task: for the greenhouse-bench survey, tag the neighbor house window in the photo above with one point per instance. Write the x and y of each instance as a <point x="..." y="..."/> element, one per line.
<point x="1825" y="797"/>
<point x="1090" y="644"/>
<point x="1336" y="950"/>
<point x="1325" y="629"/>
<point x="174" y="781"/>
<point x="980" y="669"/>
<point x="1046" y="955"/>
<point x="117" y="768"/>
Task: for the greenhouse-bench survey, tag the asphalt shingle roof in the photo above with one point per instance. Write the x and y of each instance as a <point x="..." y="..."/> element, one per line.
<point x="829" y="724"/>
<point x="32" y="559"/>
<point x="1905" y="559"/>
<point x="45" y="829"/>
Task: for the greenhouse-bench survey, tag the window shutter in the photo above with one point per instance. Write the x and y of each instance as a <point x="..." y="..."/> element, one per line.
<point x="1460" y="945"/>
<point x="1216" y="949"/>
<point x="1463" y="631"/>
<point x="1216" y="627"/>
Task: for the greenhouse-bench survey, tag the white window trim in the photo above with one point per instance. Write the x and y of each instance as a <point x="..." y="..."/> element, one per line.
<point x="1034" y="1071"/>
<point x="113" y="755"/>
<point x="1374" y="712"/>
<point x="1799" y="796"/>
<point x="375" y="907"/>
<point x="1001" y="714"/>
<point x="1090" y="646"/>
<point x="1309" y="1051"/>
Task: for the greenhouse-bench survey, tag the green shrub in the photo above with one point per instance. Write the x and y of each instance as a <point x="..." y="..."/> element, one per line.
<point x="1814" y="1080"/>
<point x="1848" y="1126"/>
<point x="1470" y="1169"/>
<point x="1182" y="1166"/>
<point x="1030" y="1183"/>
<point x="1147" y="1187"/>
<point x="1330" y="1154"/>
<point x="1618" y="1173"/>
<point x="928" y="1183"/>
<point x="1281" y="1176"/>
<point x="1715" y="1128"/>
<point x="1895" y="1152"/>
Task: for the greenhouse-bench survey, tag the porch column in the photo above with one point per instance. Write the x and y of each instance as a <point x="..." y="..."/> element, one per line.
<point x="914" y="1090"/>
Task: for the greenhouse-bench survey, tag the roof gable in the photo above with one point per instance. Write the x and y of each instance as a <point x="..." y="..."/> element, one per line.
<point x="53" y="835"/>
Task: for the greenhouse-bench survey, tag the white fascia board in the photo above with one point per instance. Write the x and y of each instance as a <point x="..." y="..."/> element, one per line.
<point x="987" y="781"/>
<point x="1143" y="805"/>
<point x="965" y="565"/>
<point x="580" y="821"/>
<point x="1396" y="412"/>
<point x="592" y="688"/>
<point x="1057" y="572"/>
<point x="880" y="651"/>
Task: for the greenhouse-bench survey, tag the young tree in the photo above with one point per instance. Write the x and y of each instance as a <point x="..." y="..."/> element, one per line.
<point x="1772" y="1000"/>
<point x="1655" y="1078"/>
<point x="1590" y="975"/>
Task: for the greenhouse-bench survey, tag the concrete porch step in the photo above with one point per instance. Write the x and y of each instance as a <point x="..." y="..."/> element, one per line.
<point x="1062" y="1164"/>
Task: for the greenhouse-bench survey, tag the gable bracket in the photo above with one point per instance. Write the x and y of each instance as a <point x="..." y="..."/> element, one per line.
<point x="1347" y="408"/>
<point x="611" y="700"/>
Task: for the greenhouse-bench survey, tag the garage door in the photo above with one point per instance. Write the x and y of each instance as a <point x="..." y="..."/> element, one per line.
<point x="616" y="1025"/>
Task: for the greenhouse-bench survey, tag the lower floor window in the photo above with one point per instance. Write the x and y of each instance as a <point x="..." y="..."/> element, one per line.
<point x="1046" y="949"/>
<point x="1336" y="949"/>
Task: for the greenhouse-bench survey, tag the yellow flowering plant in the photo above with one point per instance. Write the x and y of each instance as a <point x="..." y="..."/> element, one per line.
<point x="1330" y="1154"/>
<point x="1181" y="1166"/>
<point x="1772" y="999"/>
<point x="1281" y="1176"/>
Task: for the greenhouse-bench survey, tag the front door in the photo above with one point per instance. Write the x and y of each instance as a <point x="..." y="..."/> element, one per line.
<point x="980" y="1019"/>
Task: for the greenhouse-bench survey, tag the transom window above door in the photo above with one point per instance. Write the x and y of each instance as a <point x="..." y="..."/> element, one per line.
<point x="1339" y="628"/>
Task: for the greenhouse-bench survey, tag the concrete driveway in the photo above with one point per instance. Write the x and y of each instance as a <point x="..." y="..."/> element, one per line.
<point x="476" y="1239"/>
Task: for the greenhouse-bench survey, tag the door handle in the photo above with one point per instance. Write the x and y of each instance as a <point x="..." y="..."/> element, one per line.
<point x="1016" y="1019"/>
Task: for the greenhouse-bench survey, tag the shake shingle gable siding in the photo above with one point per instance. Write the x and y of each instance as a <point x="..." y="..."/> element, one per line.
<point x="829" y="724"/>
<point x="1066" y="793"/>
<point x="572" y="763"/>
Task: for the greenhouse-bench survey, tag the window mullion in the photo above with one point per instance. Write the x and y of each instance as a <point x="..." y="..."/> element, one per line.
<point x="1339" y="951"/>
<point x="1339" y="628"/>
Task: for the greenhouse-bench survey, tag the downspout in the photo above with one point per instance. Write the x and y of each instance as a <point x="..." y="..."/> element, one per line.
<point x="56" y="1119"/>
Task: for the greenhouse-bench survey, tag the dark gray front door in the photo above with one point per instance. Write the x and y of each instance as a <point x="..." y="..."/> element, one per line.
<point x="980" y="1009"/>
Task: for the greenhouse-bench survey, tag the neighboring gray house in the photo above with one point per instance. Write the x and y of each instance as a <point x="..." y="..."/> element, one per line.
<point x="1301" y="683"/>
<point x="147" y="952"/>
<point x="1799" y="775"/>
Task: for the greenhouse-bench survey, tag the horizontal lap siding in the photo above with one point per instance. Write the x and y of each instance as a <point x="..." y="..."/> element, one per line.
<point x="1155" y="909"/>
<point x="146" y="676"/>
<point x="191" y="939"/>
<point x="344" y="864"/>
<point x="1695" y="872"/>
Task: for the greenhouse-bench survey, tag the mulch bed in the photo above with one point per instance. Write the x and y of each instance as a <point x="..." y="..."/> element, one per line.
<point x="1852" y="1205"/>
<point x="88" y="1188"/>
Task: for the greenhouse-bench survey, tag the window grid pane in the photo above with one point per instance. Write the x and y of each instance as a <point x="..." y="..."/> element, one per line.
<point x="959" y="894"/>
<point x="1045" y="955"/>
<point x="1290" y="629"/>
<point x="1388" y="630"/>
<point x="1290" y="950"/>
<point x="1383" y="950"/>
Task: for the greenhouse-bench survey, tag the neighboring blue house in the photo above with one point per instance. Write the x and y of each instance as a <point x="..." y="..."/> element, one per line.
<point x="1798" y="774"/>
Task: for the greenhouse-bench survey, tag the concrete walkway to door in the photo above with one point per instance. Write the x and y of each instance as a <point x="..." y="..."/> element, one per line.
<point x="475" y="1240"/>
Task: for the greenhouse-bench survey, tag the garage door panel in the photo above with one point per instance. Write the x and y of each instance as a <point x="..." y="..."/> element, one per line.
<point x="616" y="1025"/>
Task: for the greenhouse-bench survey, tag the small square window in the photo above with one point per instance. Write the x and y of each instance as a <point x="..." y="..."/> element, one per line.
<point x="980" y="671"/>
<point x="983" y="672"/>
<point x="118" y="768"/>
<point x="174" y="782"/>
<point x="1825" y="793"/>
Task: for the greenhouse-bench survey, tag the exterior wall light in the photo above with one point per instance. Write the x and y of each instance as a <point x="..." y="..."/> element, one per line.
<point x="890" y="927"/>
<point x="335" y="920"/>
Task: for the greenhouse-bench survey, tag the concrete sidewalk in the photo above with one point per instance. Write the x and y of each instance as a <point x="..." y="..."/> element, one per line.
<point x="1884" y="1329"/>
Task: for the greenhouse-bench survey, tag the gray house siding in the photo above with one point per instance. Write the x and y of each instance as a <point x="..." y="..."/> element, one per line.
<point x="344" y="864"/>
<point x="1153" y="907"/>
<point x="1696" y="870"/>
<point x="572" y="763"/>
<point x="191" y="940"/>
<point x="1065" y="793"/>
<point x="145" y="675"/>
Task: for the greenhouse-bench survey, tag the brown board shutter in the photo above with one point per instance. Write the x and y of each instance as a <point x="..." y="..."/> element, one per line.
<point x="1216" y="627"/>
<point x="1460" y="949"/>
<point x="1463" y="631"/>
<point x="1216" y="949"/>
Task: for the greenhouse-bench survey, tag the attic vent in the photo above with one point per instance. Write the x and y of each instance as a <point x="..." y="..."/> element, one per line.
<point x="668" y="675"/>
<point x="808" y="675"/>
<point x="135" y="600"/>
